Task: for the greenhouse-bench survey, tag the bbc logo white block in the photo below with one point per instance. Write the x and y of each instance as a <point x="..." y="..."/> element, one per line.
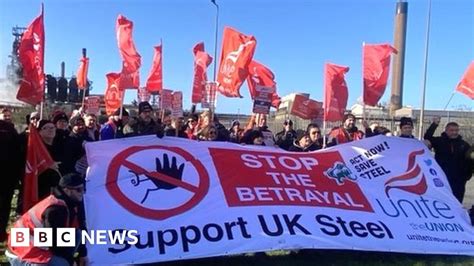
<point x="43" y="237"/>
<point x="20" y="237"/>
<point x="66" y="237"/>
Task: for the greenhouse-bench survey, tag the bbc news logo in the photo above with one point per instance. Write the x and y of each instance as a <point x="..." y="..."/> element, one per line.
<point x="67" y="237"/>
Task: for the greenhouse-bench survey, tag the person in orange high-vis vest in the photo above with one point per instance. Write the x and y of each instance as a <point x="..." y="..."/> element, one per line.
<point x="63" y="208"/>
<point x="347" y="132"/>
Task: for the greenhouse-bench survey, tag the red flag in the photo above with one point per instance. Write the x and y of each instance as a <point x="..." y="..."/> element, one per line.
<point x="335" y="92"/>
<point x="82" y="73"/>
<point x="306" y="108"/>
<point x="376" y="69"/>
<point x="201" y="61"/>
<point x="31" y="56"/>
<point x="237" y="53"/>
<point x="155" y="78"/>
<point x="263" y="76"/>
<point x="37" y="161"/>
<point x="130" y="77"/>
<point x="113" y="93"/>
<point x="466" y="85"/>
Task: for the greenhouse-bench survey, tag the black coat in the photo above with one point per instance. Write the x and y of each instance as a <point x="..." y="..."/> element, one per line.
<point x="285" y="139"/>
<point x="451" y="155"/>
<point x="11" y="162"/>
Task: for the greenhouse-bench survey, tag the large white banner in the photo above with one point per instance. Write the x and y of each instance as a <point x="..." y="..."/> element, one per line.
<point x="192" y="199"/>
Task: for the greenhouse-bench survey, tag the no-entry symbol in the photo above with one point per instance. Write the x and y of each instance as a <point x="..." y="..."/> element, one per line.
<point x="168" y="176"/>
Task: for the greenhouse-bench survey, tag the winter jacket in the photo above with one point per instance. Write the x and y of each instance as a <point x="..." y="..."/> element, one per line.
<point x="285" y="139"/>
<point x="341" y="135"/>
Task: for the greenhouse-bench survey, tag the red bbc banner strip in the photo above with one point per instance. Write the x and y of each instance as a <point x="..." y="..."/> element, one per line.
<point x="262" y="178"/>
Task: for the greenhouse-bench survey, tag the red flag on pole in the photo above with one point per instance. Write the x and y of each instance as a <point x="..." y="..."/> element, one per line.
<point x="31" y="56"/>
<point x="82" y="73"/>
<point x="237" y="53"/>
<point x="466" y="85"/>
<point x="130" y="77"/>
<point x="263" y="76"/>
<point x="155" y="78"/>
<point x="335" y="92"/>
<point x="37" y="161"/>
<point x="376" y="58"/>
<point x="201" y="61"/>
<point x="113" y="93"/>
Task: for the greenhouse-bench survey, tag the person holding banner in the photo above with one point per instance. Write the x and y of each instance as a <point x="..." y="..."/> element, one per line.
<point x="286" y="137"/>
<point x="302" y="142"/>
<point x="452" y="154"/>
<point x="347" y="132"/>
<point x="60" y="209"/>
<point x="267" y="134"/>
<point x="315" y="136"/>
<point x="406" y="128"/>
<point x="114" y="127"/>
<point x="61" y="121"/>
<point x="191" y="126"/>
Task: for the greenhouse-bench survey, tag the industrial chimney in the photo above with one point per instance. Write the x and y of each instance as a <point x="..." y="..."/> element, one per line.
<point x="401" y="14"/>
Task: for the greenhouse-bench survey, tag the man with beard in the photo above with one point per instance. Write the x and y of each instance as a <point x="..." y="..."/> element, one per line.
<point x="144" y="124"/>
<point x="347" y="132"/>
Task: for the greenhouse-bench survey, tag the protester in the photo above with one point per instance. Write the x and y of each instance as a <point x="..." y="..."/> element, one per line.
<point x="177" y="129"/>
<point x="315" y="136"/>
<point x="59" y="209"/>
<point x="61" y="121"/>
<point x="347" y="132"/>
<point x="144" y="124"/>
<point x="92" y="128"/>
<point x="452" y="154"/>
<point x="74" y="145"/>
<point x="255" y="137"/>
<point x="114" y="127"/>
<point x="235" y="132"/>
<point x="267" y="134"/>
<point x="192" y="126"/>
<point x="302" y="142"/>
<point x="208" y="133"/>
<point x="6" y="115"/>
<point x="406" y="128"/>
<point x="286" y="137"/>
<point x="222" y="132"/>
<point x="50" y="177"/>
<point x="11" y="170"/>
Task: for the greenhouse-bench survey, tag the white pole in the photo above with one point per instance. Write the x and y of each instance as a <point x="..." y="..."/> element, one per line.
<point x="324" y="134"/>
<point x="427" y="41"/>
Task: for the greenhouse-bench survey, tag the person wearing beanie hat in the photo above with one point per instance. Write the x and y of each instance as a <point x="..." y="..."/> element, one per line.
<point x="235" y="132"/>
<point x="144" y="107"/>
<point x="62" y="208"/>
<point x="144" y="124"/>
<point x="302" y="142"/>
<point x="286" y="137"/>
<point x="406" y="128"/>
<point x="60" y="120"/>
<point x="347" y="132"/>
<point x="114" y="127"/>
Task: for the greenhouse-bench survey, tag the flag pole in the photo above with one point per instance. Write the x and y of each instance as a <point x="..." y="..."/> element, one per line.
<point x="449" y="101"/>
<point x="214" y="105"/>
<point x="363" y="101"/>
<point x="423" y="94"/>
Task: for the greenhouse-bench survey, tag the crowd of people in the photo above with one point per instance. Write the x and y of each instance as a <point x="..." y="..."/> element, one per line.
<point x="64" y="137"/>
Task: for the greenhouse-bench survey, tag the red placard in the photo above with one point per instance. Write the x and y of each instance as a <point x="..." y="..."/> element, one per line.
<point x="306" y="108"/>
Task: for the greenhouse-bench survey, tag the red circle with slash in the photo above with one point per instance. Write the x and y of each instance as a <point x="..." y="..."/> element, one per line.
<point x="121" y="160"/>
